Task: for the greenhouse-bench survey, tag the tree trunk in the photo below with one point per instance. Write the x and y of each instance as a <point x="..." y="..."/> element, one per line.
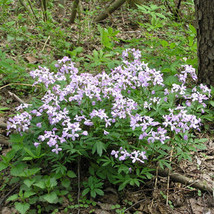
<point x="74" y="11"/>
<point x="205" y="38"/>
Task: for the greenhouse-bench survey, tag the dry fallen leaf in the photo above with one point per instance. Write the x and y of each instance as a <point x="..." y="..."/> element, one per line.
<point x="31" y="59"/>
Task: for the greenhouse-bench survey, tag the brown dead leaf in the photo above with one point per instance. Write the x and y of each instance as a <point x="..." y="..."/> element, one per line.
<point x="31" y="59"/>
<point x="196" y="208"/>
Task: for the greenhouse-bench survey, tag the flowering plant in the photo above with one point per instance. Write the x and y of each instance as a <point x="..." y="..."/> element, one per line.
<point x="131" y="114"/>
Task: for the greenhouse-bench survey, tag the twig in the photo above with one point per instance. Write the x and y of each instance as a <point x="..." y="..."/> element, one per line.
<point x="156" y="182"/>
<point x="168" y="179"/>
<point x="16" y="97"/>
<point x="17" y="84"/>
<point x="32" y="10"/>
<point x="134" y="205"/>
<point x="167" y="4"/>
<point x="45" y="43"/>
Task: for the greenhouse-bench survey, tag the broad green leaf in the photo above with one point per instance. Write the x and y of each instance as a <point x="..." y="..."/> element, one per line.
<point x="18" y="169"/>
<point x="22" y="207"/>
<point x="51" y="198"/>
<point x="29" y="172"/>
<point x="66" y="183"/>
<point x="71" y="174"/>
<point x="29" y="182"/>
<point x="211" y="103"/>
<point x="40" y="184"/>
<point x="27" y="194"/>
<point x="13" y="197"/>
<point x="3" y="166"/>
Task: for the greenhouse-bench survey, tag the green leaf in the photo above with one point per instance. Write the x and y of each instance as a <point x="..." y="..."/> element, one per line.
<point x="4" y="108"/>
<point x="16" y="138"/>
<point x="3" y="166"/>
<point x="51" y="198"/>
<point x="13" y="197"/>
<point x="93" y="193"/>
<point x="29" y="152"/>
<point x="18" y="169"/>
<point x="29" y="172"/>
<point x="192" y="28"/>
<point x="22" y="207"/>
<point x="98" y="147"/>
<point x="27" y="194"/>
<point x="28" y="182"/>
<point x="99" y="191"/>
<point x="40" y="184"/>
<point x="211" y="103"/>
<point x="27" y="158"/>
<point x="71" y="174"/>
<point x="66" y="183"/>
<point x="85" y="191"/>
<point x="201" y="146"/>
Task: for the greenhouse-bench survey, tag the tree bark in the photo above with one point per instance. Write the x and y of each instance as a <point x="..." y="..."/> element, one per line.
<point x="110" y="10"/>
<point x="205" y="40"/>
<point x="74" y="11"/>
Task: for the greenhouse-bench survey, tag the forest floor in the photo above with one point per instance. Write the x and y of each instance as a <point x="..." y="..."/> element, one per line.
<point x="161" y="194"/>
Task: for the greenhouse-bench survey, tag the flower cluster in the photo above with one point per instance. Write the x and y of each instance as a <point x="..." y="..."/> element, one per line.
<point x="75" y="104"/>
<point x="122" y="155"/>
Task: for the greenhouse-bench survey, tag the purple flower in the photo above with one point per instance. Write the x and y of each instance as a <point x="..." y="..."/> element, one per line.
<point x="85" y="133"/>
<point x="36" y="144"/>
<point x="57" y="149"/>
<point x="105" y="132"/>
<point x="39" y="125"/>
<point x="185" y="137"/>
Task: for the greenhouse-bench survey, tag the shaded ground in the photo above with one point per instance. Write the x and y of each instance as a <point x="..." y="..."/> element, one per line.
<point x="159" y="195"/>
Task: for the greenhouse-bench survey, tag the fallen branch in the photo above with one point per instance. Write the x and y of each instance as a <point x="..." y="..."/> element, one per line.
<point x="176" y="177"/>
<point x="110" y="10"/>
<point x="16" y="97"/>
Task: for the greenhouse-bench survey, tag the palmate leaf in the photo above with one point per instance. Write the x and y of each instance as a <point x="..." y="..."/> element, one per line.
<point x="98" y="147"/>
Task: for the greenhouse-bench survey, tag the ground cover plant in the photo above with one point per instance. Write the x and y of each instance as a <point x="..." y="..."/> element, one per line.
<point x="110" y="104"/>
<point x="120" y="123"/>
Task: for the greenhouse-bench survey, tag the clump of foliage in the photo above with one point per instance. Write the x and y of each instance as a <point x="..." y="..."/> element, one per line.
<point x="117" y="124"/>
